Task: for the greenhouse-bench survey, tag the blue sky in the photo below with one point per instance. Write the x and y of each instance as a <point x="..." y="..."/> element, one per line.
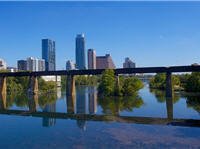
<point x="150" y="33"/>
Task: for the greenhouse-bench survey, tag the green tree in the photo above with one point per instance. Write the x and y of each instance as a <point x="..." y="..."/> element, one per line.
<point x="193" y="82"/>
<point x="107" y="82"/>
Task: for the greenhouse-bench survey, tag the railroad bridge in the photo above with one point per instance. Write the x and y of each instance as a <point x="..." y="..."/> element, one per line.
<point x="33" y="76"/>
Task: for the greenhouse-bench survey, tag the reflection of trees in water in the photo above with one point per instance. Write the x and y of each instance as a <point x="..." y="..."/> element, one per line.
<point x="45" y="99"/>
<point x="20" y="99"/>
<point x="113" y="105"/>
<point x="161" y="96"/>
<point x="193" y="102"/>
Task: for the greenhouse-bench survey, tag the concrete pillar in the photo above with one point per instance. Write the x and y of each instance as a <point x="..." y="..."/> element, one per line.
<point x="71" y="104"/>
<point x="33" y="85"/>
<point x="3" y="102"/>
<point x="33" y="102"/>
<point x="71" y="91"/>
<point x="169" y="86"/>
<point x="2" y="85"/>
<point x="169" y="105"/>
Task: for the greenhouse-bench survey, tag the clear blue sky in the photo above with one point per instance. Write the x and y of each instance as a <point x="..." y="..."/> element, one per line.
<point x="150" y="33"/>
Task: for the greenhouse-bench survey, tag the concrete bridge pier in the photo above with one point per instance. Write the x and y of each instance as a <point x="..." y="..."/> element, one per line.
<point x="3" y="85"/>
<point x="71" y="104"/>
<point x="169" y="106"/>
<point x="3" y="102"/>
<point x="169" y="86"/>
<point x="71" y="91"/>
<point x="33" y="85"/>
<point x="32" y="102"/>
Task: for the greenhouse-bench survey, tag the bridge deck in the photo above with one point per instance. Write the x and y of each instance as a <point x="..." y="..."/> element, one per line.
<point x="99" y="71"/>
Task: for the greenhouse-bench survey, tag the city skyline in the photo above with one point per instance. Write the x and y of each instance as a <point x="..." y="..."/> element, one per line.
<point x="156" y="44"/>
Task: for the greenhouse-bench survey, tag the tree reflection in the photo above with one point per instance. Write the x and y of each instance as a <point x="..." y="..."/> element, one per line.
<point x="193" y="102"/>
<point x="161" y="96"/>
<point x="45" y="99"/>
<point x="113" y="105"/>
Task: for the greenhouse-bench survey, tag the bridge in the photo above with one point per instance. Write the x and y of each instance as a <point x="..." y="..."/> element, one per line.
<point x="33" y="83"/>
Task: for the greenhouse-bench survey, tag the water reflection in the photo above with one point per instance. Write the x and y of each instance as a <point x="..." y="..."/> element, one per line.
<point x="48" y="122"/>
<point x="92" y="96"/>
<point x="33" y="102"/>
<point x="81" y="106"/>
<point x="113" y="105"/>
<point x="86" y="101"/>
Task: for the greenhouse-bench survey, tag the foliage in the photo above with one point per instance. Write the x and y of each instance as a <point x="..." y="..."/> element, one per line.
<point x="159" y="81"/>
<point x="126" y="86"/>
<point x="107" y="83"/>
<point x="131" y="86"/>
<point x="192" y="83"/>
<point x="46" y="86"/>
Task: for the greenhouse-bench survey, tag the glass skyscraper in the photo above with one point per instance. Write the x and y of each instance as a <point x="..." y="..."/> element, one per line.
<point x="49" y="54"/>
<point x="80" y="51"/>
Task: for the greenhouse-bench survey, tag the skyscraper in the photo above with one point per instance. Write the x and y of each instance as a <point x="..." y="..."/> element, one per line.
<point x="80" y="51"/>
<point x="49" y="54"/>
<point x="105" y="62"/>
<point x="91" y="59"/>
<point x="22" y="65"/>
<point x="70" y="65"/>
<point x="128" y="63"/>
<point x="34" y="64"/>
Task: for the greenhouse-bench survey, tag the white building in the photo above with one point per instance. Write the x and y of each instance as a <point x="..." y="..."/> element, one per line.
<point x="34" y="64"/>
<point x="2" y="64"/>
<point x="56" y="79"/>
<point x="12" y="69"/>
<point x="70" y="65"/>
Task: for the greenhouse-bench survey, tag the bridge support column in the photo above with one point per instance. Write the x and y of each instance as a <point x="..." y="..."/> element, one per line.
<point x="71" y="104"/>
<point x="33" y="102"/>
<point x="3" y="85"/>
<point x="169" y="87"/>
<point x="33" y="85"/>
<point x="71" y="91"/>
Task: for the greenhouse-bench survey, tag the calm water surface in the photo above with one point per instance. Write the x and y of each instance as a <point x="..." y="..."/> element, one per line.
<point x="19" y="130"/>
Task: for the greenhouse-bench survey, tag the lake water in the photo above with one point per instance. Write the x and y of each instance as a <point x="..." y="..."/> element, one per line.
<point x="148" y="120"/>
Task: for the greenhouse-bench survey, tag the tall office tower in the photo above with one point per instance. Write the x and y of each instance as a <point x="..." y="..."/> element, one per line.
<point x="2" y="64"/>
<point x="80" y="51"/>
<point x="128" y="63"/>
<point x="49" y="54"/>
<point x="91" y="59"/>
<point x="70" y="65"/>
<point x="22" y="65"/>
<point x="105" y="62"/>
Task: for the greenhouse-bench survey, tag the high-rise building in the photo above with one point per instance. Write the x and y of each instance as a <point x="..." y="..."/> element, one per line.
<point x="34" y="64"/>
<point x="49" y="54"/>
<point x="105" y="62"/>
<point x="80" y="51"/>
<point x="70" y="65"/>
<point x="22" y="65"/>
<point x="128" y="63"/>
<point x="91" y="59"/>
<point x="12" y="69"/>
<point x="2" y="64"/>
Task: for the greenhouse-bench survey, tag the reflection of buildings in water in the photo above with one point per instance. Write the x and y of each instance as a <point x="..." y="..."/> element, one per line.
<point x="169" y="105"/>
<point x="2" y="101"/>
<point x="59" y="92"/>
<point x="81" y="107"/>
<point x="47" y="122"/>
<point x="70" y="104"/>
<point x="32" y="102"/>
<point x="92" y="96"/>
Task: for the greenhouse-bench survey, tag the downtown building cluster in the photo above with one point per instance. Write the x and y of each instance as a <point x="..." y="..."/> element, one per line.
<point x="48" y="61"/>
